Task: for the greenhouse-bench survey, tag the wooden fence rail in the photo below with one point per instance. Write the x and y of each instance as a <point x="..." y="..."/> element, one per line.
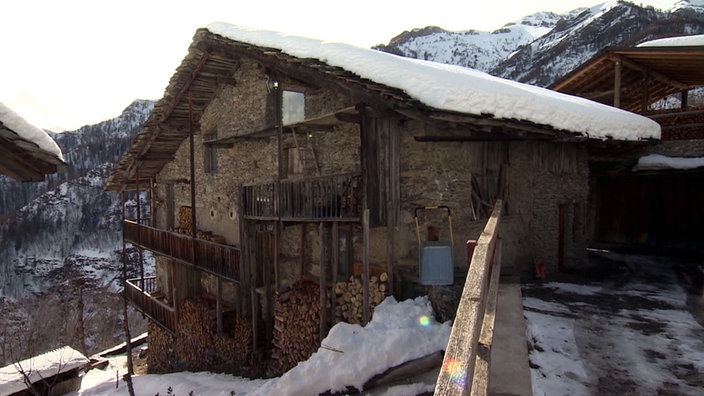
<point x="465" y="368"/>
<point x="217" y="259"/>
<point x="138" y="292"/>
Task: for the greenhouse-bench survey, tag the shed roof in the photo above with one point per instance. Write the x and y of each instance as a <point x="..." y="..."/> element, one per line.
<point x="27" y="153"/>
<point x="414" y="88"/>
<point x="44" y="366"/>
<point x="664" y="67"/>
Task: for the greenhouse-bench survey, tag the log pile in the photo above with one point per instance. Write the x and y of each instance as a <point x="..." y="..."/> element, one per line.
<point x="235" y="347"/>
<point x="185" y="219"/>
<point x="296" y="326"/>
<point x="349" y="297"/>
<point x="161" y="357"/>
<point x="197" y="346"/>
<point x="194" y="337"/>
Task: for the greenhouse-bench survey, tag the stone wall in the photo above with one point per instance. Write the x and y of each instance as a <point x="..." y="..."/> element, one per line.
<point x="540" y="181"/>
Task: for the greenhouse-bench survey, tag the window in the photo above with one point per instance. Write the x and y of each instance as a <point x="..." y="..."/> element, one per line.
<point x="292" y="107"/>
<point x="210" y="154"/>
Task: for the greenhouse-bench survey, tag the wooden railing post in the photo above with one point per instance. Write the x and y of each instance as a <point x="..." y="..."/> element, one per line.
<point x="458" y="369"/>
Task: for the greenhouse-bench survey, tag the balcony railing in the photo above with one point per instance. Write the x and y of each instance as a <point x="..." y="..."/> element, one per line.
<point x="337" y="197"/>
<point x="140" y="292"/>
<point x="217" y="259"/>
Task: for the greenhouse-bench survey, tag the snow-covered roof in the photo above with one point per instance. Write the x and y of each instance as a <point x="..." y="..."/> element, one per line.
<point x="458" y="89"/>
<point x="662" y="162"/>
<point x="43" y="366"/>
<point x="28" y="131"/>
<point x="681" y="41"/>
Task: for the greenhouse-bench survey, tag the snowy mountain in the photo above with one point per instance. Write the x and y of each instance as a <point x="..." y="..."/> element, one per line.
<point x="61" y="251"/>
<point x="471" y="48"/>
<point x="541" y="48"/>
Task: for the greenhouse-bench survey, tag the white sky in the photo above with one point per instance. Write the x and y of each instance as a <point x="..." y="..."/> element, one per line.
<point x="73" y="63"/>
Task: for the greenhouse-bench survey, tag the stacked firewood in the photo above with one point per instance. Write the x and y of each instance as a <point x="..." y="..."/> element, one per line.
<point x="161" y="358"/>
<point x="185" y="218"/>
<point x="349" y="296"/>
<point x="194" y="336"/>
<point x="296" y="326"/>
<point x="235" y="348"/>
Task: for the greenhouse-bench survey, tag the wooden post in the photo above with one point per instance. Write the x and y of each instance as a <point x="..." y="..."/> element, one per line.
<point x="365" y="270"/>
<point x="335" y="267"/>
<point x="323" y="284"/>
<point x="126" y="325"/>
<point x="617" y="84"/>
<point x="218" y="305"/>
<point x="645" y="101"/>
<point x="193" y="177"/>
<point x="684" y="100"/>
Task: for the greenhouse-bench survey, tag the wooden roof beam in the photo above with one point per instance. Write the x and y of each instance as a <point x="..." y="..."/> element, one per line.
<point x="653" y="74"/>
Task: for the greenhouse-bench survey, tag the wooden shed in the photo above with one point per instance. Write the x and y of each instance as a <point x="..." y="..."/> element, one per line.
<point x="290" y="183"/>
<point x="656" y="209"/>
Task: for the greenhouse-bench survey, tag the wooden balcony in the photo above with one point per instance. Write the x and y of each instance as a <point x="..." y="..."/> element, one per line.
<point x="141" y="294"/>
<point x="214" y="258"/>
<point x="325" y="198"/>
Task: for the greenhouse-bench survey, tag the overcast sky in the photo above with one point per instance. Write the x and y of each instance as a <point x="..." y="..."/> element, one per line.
<point x="66" y="64"/>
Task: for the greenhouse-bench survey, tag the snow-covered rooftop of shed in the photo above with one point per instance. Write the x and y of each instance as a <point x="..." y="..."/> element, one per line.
<point x="681" y="41"/>
<point x="43" y="366"/>
<point x="28" y="131"/>
<point x="458" y="89"/>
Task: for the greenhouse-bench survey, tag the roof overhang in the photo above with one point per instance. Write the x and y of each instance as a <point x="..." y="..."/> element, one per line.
<point x="644" y="75"/>
<point x="24" y="160"/>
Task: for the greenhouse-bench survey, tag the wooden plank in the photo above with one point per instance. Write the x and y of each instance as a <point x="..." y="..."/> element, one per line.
<point x="483" y="361"/>
<point x="457" y="374"/>
<point x="365" y="270"/>
<point x="617" y="84"/>
<point x="218" y="305"/>
<point x="323" y="285"/>
<point x="404" y="371"/>
<point x="335" y="267"/>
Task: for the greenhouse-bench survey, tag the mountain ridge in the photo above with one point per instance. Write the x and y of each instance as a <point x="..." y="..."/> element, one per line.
<point x="560" y="43"/>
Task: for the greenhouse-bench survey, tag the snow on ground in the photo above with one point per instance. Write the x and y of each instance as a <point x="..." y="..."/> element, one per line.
<point x="350" y="356"/>
<point x="629" y="333"/>
<point x="624" y="329"/>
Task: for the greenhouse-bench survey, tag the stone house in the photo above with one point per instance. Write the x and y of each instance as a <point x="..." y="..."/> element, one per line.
<point x="300" y="166"/>
<point x="648" y="197"/>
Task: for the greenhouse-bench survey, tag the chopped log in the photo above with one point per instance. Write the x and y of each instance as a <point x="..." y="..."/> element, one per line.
<point x="349" y="299"/>
<point x="296" y="329"/>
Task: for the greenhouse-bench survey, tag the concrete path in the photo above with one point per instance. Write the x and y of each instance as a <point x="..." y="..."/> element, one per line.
<point x="510" y="373"/>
